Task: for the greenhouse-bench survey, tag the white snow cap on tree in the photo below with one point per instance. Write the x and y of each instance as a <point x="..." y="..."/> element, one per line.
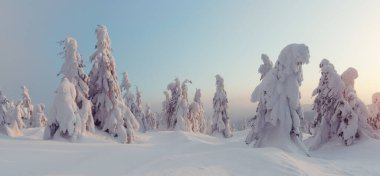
<point x="221" y="120"/>
<point x="196" y="114"/>
<point x="72" y="69"/>
<point x="277" y="121"/>
<point x="266" y="66"/>
<point x="64" y="119"/>
<point x="110" y="112"/>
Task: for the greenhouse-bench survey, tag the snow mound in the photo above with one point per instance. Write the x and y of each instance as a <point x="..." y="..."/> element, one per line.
<point x="163" y="153"/>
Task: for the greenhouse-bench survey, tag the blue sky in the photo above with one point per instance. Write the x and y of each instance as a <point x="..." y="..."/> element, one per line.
<point x="156" y="41"/>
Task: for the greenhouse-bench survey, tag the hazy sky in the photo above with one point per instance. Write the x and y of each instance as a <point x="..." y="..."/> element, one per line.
<point x="156" y="41"/>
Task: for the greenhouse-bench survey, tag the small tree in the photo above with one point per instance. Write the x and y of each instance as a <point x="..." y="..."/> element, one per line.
<point x="64" y="119"/>
<point x="38" y="117"/>
<point x="9" y="122"/>
<point x="138" y="111"/>
<point x="277" y="122"/>
<point x="3" y="107"/>
<point x="109" y="111"/>
<point x="150" y="118"/>
<point x="129" y="98"/>
<point x="26" y="106"/>
<point x="164" y="115"/>
<point x="196" y="114"/>
<point x="374" y="111"/>
<point x="221" y="121"/>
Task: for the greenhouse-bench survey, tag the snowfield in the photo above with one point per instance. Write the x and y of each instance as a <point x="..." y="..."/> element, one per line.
<point x="169" y="153"/>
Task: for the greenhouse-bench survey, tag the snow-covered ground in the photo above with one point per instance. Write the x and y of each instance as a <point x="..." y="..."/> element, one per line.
<point x="177" y="153"/>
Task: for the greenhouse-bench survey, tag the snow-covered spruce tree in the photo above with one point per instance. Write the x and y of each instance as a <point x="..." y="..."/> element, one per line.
<point x="64" y="119"/>
<point x="3" y="107"/>
<point x="26" y="106"/>
<point x="72" y="69"/>
<point x="109" y="111"/>
<point x="261" y="109"/>
<point x="165" y="112"/>
<point x="374" y="111"/>
<point x="9" y="124"/>
<point x="277" y="122"/>
<point x="176" y="106"/>
<point x="38" y="118"/>
<point x="196" y="114"/>
<point x="129" y="98"/>
<point x="328" y="95"/>
<point x="150" y="118"/>
<point x="138" y="112"/>
<point x="359" y="108"/>
<point x="266" y="66"/>
<point x="221" y="121"/>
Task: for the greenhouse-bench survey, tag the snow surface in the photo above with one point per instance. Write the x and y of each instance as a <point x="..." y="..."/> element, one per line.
<point x="169" y="153"/>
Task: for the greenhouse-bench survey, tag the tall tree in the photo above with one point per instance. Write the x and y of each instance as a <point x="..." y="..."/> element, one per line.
<point x="221" y="120"/>
<point x="109" y="111"/>
<point x="328" y="95"/>
<point x="72" y="69"/>
<point x="277" y="123"/>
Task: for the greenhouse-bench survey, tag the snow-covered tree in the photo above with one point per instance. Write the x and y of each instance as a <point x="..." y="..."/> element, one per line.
<point x="38" y="118"/>
<point x="164" y="115"/>
<point x="64" y="118"/>
<point x="3" y="106"/>
<point x="129" y="98"/>
<point x="109" y="111"/>
<point x="138" y="111"/>
<point x="328" y="95"/>
<point x="196" y="114"/>
<point x="10" y="123"/>
<point x="340" y="113"/>
<point x="72" y="69"/>
<point x="374" y="111"/>
<point x="26" y="106"/>
<point x="176" y="106"/>
<point x="266" y="66"/>
<point x="357" y="106"/>
<point x="221" y="120"/>
<point x="277" y="121"/>
<point x="150" y="118"/>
